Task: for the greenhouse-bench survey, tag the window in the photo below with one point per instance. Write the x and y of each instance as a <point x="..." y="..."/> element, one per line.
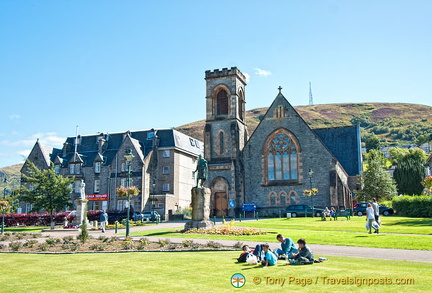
<point x="57" y="169"/>
<point x="72" y="168"/>
<point x="97" y="167"/>
<point x="165" y="171"/>
<point x="222" y="103"/>
<point x="221" y="143"/>
<point x="281" y="153"/>
<point x="77" y="186"/>
<point x="273" y="199"/>
<point x="123" y="182"/>
<point x="97" y="185"/>
<point x="77" y="168"/>
<point x="166" y="154"/>
<point x="283" y="199"/>
<point x="166" y="187"/>
<point x="150" y="134"/>
<point x="123" y="166"/>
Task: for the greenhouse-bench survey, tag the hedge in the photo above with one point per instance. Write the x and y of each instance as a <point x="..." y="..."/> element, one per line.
<point x="413" y="206"/>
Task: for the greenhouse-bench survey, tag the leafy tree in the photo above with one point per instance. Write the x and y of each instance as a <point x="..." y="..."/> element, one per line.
<point x="410" y="172"/>
<point x="376" y="181"/>
<point x="372" y="143"/>
<point x="421" y="139"/>
<point x="46" y="190"/>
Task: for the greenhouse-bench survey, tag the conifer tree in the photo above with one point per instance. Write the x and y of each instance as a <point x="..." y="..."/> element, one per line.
<point x="410" y="172"/>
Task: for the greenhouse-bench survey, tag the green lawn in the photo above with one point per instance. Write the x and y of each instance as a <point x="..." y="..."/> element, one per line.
<point x="198" y="272"/>
<point x="30" y="229"/>
<point x="341" y="232"/>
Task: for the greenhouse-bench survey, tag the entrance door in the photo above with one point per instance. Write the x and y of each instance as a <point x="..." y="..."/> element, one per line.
<point x="220" y="204"/>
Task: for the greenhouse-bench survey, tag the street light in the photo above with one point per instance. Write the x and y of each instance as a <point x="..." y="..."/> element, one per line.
<point x="128" y="156"/>
<point x="310" y="172"/>
<point x="4" y="207"/>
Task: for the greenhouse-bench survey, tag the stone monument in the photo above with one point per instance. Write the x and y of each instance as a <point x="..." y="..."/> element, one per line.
<point x="200" y="199"/>
<point x="81" y="208"/>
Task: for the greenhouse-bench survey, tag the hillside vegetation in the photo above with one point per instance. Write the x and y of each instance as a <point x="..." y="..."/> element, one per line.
<point x="393" y="123"/>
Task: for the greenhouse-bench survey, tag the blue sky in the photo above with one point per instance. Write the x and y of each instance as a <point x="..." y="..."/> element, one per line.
<point x="111" y="66"/>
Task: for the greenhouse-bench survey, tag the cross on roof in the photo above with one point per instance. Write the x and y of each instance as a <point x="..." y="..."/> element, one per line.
<point x="280" y="89"/>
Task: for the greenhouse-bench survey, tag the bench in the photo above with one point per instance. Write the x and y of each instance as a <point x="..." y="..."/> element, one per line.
<point x="339" y="213"/>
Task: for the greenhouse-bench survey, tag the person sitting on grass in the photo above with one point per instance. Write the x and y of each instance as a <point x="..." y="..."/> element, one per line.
<point x="304" y="255"/>
<point x="270" y="258"/>
<point x="287" y="245"/>
<point x="246" y="251"/>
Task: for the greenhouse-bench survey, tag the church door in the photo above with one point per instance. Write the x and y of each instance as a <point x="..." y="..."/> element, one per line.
<point x="220" y="204"/>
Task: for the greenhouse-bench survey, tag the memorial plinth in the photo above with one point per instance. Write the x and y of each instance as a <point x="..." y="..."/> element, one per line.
<point x="200" y="209"/>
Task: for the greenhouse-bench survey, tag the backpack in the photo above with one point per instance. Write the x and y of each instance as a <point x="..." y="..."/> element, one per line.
<point x="243" y="257"/>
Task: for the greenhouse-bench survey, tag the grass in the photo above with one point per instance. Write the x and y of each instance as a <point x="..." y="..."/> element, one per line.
<point x="193" y="272"/>
<point x="341" y="232"/>
<point x="30" y="229"/>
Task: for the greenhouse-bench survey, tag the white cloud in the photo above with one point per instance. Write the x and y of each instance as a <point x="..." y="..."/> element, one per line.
<point x="262" y="72"/>
<point x="14" y="117"/>
<point x="24" y="153"/>
<point x="48" y="139"/>
<point x="247" y="77"/>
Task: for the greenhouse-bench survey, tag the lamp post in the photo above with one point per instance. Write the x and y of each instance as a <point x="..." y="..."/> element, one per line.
<point x="310" y="172"/>
<point x="128" y="156"/>
<point x="3" y="207"/>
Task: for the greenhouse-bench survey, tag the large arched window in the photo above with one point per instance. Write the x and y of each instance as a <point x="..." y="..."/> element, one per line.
<point x="222" y="103"/>
<point x="281" y="157"/>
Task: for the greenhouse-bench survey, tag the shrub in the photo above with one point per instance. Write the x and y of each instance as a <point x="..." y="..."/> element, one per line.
<point x="43" y="247"/>
<point x="98" y="247"/>
<point x="238" y="245"/>
<point x="164" y="242"/>
<point x="187" y="243"/>
<point x="30" y="243"/>
<point x="213" y="244"/>
<point x="15" y="245"/>
<point x="413" y="206"/>
<point x="128" y="244"/>
<point x="68" y="239"/>
<point x="50" y="241"/>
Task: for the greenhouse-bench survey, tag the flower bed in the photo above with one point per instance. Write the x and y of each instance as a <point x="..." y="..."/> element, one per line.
<point x="230" y="231"/>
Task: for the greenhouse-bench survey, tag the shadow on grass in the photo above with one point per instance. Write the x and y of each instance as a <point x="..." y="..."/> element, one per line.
<point x="413" y="222"/>
<point x="169" y="233"/>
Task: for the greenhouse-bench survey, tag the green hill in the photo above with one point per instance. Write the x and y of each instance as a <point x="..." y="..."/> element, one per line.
<point x="393" y="123"/>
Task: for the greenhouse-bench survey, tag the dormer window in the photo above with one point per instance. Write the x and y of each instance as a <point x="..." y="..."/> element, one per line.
<point x="75" y="168"/>
<point x="97" y="167"/>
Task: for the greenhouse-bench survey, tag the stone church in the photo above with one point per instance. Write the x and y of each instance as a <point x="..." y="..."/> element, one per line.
<point x="283" y="156"/>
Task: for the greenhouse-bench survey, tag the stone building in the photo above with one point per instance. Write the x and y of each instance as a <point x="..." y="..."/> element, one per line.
<point x="271" y="168"/>
<point x="161" y="167"/>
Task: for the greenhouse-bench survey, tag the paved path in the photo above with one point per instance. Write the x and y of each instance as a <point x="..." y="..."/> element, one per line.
<point x="328" y="250"/>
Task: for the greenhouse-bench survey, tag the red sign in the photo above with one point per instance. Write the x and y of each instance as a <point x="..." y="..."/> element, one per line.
<point x="97" y="197"/>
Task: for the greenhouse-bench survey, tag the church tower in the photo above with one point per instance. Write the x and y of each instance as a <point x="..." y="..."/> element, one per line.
<point x="225" y="136"/>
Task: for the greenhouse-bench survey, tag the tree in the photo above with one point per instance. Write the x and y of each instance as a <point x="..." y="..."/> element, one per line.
<point x="410" y="172"/>
<point x="372" y="143"/>
<point x="376" y="180"/>
<point x="46" y="190"/>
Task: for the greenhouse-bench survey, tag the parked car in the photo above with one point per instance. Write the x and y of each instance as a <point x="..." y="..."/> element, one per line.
<point x="298" y="210"/>
<point x="146" y="216"/>
<point x="360" y="209"/>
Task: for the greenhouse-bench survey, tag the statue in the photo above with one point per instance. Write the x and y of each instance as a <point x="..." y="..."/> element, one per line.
<point x="202" y="170"/>
<point x="82" y="190"/>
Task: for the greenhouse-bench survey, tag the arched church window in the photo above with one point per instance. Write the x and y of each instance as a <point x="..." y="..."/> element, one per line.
<point x="241" y="106"/>
<point x="272" y="199"/>
<point x="283" y="199"/>
<point x="281" y="153"/>
<point x="222" y="103"/>
<point x="221" y="143"/>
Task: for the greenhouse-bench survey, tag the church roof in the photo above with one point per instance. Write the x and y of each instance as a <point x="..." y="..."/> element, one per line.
<point x="344" y="143"/>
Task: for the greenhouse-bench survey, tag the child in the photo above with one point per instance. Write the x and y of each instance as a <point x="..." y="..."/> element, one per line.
<point x="270" y="258"/>
<point x="287" y="245"/>
<point x="245" y="253"/>
<point x="304" y="256"/>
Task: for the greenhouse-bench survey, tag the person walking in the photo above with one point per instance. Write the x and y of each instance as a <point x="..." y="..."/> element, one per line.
<point x="370" y="217"/>
<point x="375" y="207"/>
<point x="103" y="220"/>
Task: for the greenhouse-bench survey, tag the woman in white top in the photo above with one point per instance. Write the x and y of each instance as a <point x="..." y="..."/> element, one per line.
<point x="370" y="216"/>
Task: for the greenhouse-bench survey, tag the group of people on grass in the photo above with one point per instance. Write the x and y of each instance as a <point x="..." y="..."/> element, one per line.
<point x="294" y="256"/>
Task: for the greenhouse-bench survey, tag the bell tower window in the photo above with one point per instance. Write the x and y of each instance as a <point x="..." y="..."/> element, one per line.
<point x="222" y="103"/>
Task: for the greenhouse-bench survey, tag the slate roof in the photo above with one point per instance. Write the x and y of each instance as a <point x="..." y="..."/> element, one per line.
<point x="141" y="139"/>
<point x="344" y="143"/>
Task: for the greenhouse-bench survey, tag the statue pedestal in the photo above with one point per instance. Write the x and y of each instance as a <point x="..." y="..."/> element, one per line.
<point x="200" y="209"/>
<point x="80" y="212"/>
